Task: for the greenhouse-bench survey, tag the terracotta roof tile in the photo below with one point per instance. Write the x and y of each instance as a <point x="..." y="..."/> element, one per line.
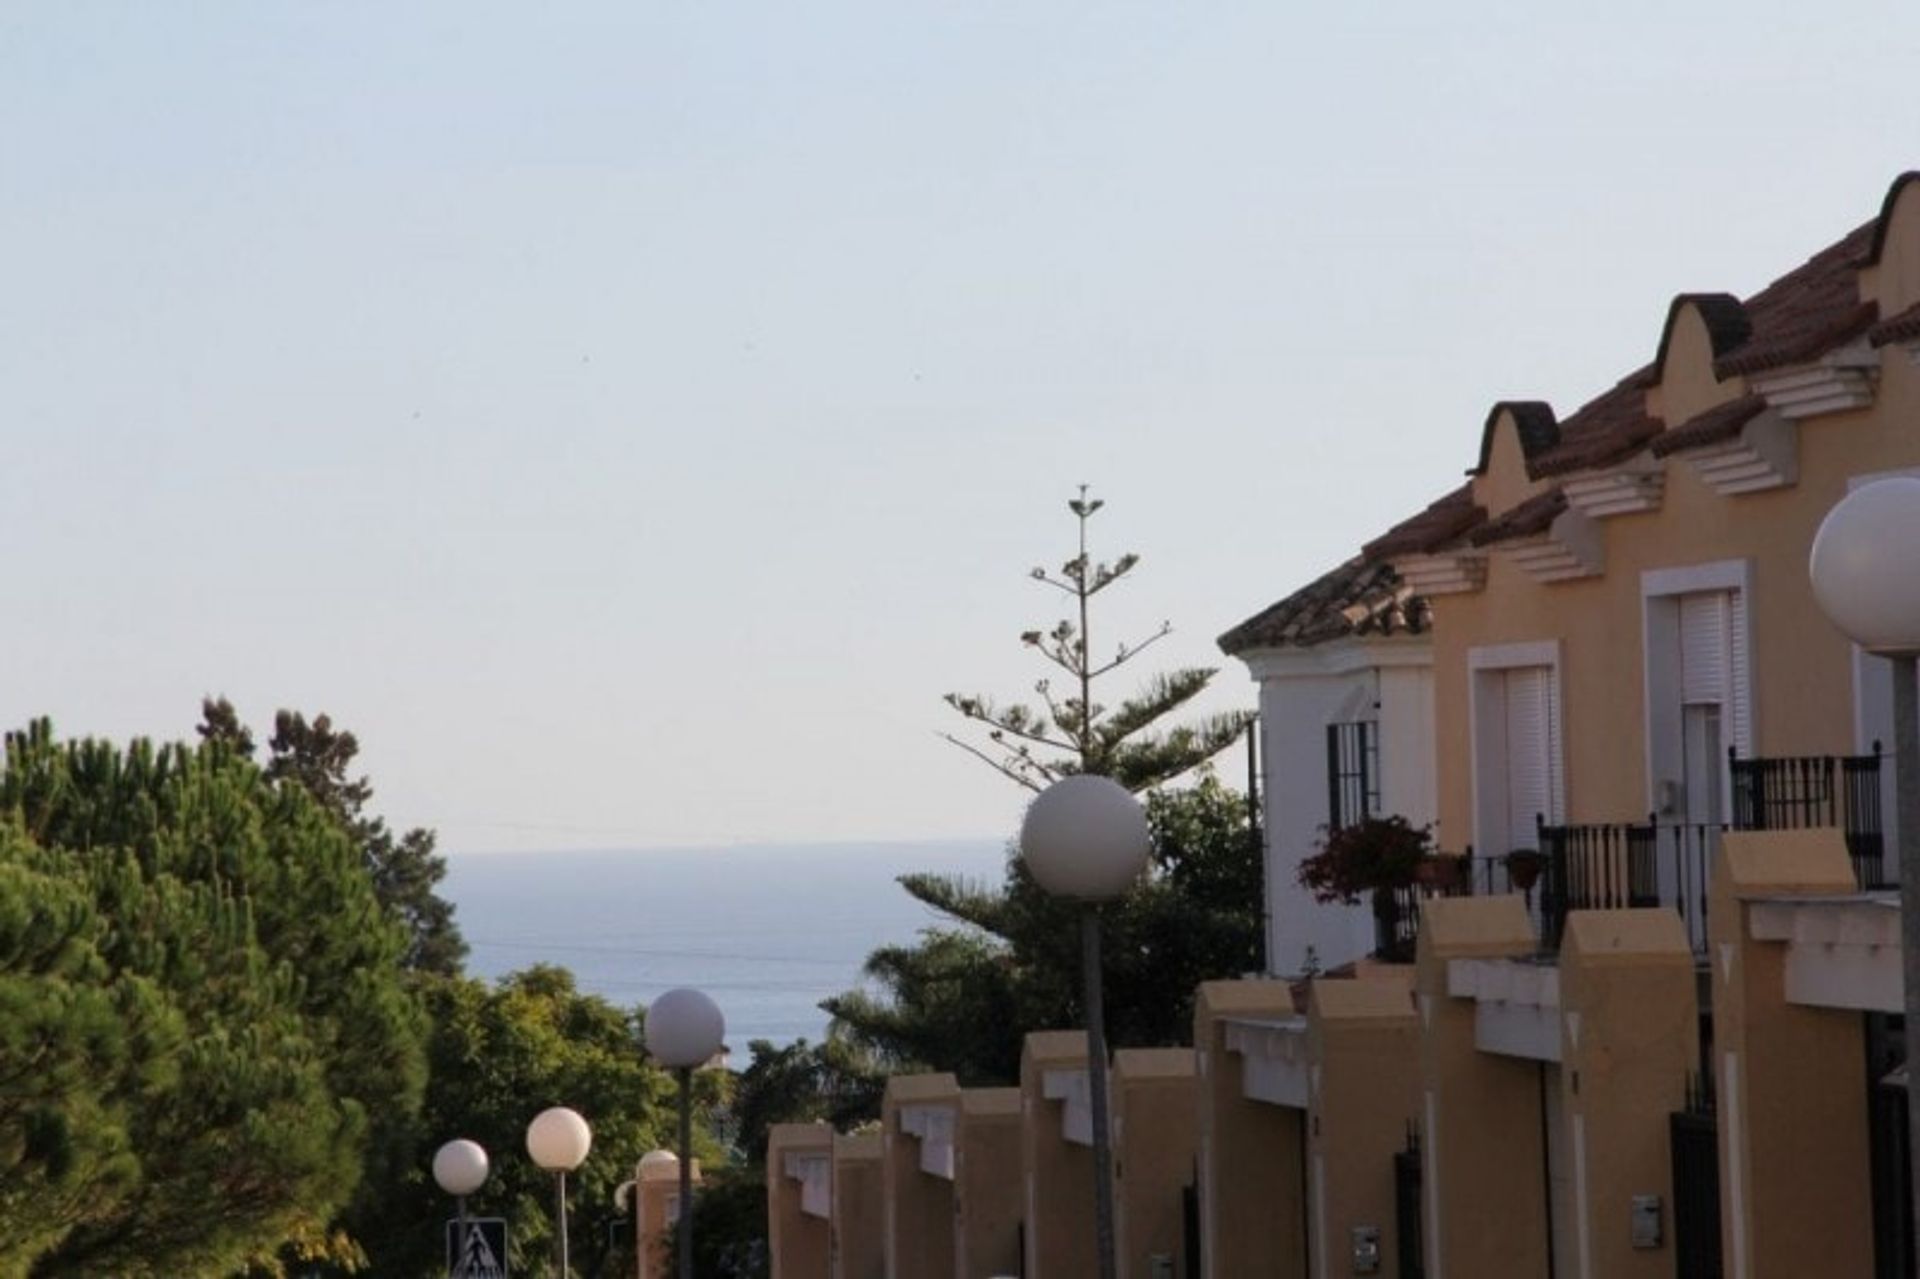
<point x="1721" y="422"/>
<point x="1534" y="420"/>
<point x="1884" y="223"/>
<point x="1607" y="430"/>
<point x="1806" y="312"/>
<point x="1728" y="326"/>
<point x="1358" y="598"/>
<point x="1903" y="327"/>
<point x="1535" y="515"/>
<point x="1442" y="522"/>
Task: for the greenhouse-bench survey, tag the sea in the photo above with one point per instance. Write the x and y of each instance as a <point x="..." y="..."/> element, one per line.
<point x="767" y="930"/>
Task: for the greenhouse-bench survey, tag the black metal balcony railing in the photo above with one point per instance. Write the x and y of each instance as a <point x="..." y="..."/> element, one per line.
<point x="1793" y="792"/>
<point x="1613" y="865"/>
<point x="1590" y="867"/>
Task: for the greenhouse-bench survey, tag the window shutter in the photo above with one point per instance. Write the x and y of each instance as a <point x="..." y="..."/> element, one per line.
<point x="1740" y="706"/>
<point x="1705" y="653"/>
<point x="1530" y="742"/>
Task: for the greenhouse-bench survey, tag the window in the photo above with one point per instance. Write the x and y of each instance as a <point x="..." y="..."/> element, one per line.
<point x="1353" y="772"/>
<point x="1517" y="776"/>
<point x="1699" y="690"/>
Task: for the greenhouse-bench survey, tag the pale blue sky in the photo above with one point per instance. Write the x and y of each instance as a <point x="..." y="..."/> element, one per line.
<point x="630" y="417"/>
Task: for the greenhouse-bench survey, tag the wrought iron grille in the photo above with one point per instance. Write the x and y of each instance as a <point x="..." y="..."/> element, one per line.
<point x="1353" y="772"/>
<point x="1792" y="792"/>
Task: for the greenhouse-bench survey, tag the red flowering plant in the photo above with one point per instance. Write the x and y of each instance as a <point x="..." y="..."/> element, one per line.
<point x="1366" y="857"/>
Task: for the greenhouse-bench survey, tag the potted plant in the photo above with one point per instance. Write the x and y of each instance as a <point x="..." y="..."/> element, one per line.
<point x="1523" y="868"/>
<point x="1368" y="856"/>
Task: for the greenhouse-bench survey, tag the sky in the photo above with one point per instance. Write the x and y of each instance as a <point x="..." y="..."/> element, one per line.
<point x="630" y="418"/>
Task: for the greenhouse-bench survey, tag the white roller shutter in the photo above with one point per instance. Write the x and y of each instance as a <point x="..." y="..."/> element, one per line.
<point x="1740" y="706"/>
<point x="1704" y="648"/>
<point x="1530" y="746"/>
<point x="1714" y="661"/>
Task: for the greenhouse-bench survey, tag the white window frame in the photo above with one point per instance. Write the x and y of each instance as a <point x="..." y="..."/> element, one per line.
<point x="1660" y="592"/>
<point x="1488" y="660"/>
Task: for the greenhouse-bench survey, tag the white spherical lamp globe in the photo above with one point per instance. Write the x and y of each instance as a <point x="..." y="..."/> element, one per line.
<point x="1865" y="566"/>
<point x="1085" y="837"/>
<point x="460" y="1167"/>
<point x="684" y="1029"/>
<point x="558" y="1139"/>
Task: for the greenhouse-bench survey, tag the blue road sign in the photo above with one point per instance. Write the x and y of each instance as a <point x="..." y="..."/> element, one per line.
<point x="482" y="1254"/>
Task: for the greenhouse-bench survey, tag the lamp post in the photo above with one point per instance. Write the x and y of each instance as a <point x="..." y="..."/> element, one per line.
<point x="558" y="1140"/>
<point x="1086" y="838"/>
<point x="460" y="1168"/>
<point x="685" y="1030"/>
<point x="1867" y="583"/>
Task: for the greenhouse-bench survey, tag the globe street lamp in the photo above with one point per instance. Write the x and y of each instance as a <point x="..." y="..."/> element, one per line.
<point x="558" y="1140"/>
<point x="1086" y="838"/>
<point x="460" y="1167"/>
<point x="685" y="1030"/>
<point x="1866" y="581"/>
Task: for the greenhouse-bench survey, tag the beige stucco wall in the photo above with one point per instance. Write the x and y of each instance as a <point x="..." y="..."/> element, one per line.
<point x="1895" y="282"/>
<point x="1057" y="1173"/>
<point x="1251" y="1191"/>
<point x="1629" y="1036"/>
<point x="1794" y="1181"/>
<point x="988" y="1196"/>
<point x="1480" y="1114"/>
<point x="1687" y="383"/>
<point x="919" y="1205"/>
<point x="1155" y="1139"/>
<point x="1363" y="1041"/>
<point x="859" y="1200"/>
<point x="1802" y="669"/>
<point x="796" y="1241"/>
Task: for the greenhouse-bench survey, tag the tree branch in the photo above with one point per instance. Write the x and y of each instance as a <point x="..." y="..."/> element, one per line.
<point x="994" y="764"/>
<point x="1128" y="654"/>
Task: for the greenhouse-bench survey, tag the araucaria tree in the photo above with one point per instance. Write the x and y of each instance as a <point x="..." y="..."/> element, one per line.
<point x="964" y="996"/>
<point x="1076" y="734"/>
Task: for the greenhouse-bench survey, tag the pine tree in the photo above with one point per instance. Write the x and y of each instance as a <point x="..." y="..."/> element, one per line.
<point x="406" y="869"/>
<point x="963" y="996"/>
<point x="1076" y="734"/>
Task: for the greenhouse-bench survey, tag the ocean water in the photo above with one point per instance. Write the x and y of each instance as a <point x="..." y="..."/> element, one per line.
<point x="768" y="931"/>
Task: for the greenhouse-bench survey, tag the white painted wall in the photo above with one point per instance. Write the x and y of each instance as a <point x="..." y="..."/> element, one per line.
<point x="1408" y="785"/>
<point x="1301" y="692"/>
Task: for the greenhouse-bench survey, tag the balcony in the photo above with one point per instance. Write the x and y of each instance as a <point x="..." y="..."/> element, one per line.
<point x="1617" y="865"/>
<point x="1793" y="792"/>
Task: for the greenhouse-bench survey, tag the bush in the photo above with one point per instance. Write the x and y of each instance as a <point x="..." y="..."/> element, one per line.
<point x="1357" y="860"/>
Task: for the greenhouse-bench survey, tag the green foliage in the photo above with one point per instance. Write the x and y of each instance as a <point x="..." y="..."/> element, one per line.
<point x="800" y="1083"/>
<point x="730" y="1226"/>
<point x="500" y="1055"/>
<point x="207" y="1036"/>
<point x="964" y="998"/>
<point x="406" y="868"/>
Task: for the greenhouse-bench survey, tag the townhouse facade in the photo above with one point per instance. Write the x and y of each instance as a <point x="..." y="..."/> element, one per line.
<point x="1611" y="620"/>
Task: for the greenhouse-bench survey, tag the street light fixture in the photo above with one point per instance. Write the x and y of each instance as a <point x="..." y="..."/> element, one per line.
<point x="460" y="1168"/>
<point x="558" y="1140"/>
<point x="1866" y="581"/>
<point x="1086" y="838"/>
<point x="685" y="1030"/>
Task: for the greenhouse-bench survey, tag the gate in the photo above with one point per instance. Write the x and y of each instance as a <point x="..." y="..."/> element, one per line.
<point x="1694" y="1135"/>
<point x="1887" y="1137"/>
<point x="1406" y="1209"/>
<point x="1190" y="1227"/>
